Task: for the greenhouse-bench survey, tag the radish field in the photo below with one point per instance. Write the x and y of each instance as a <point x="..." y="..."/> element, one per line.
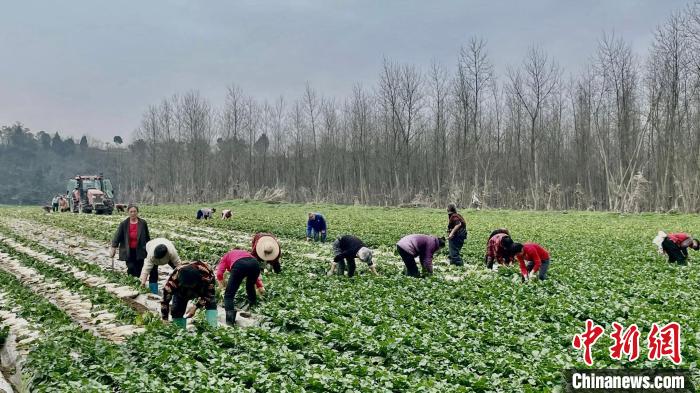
<point x="71" y="323"/>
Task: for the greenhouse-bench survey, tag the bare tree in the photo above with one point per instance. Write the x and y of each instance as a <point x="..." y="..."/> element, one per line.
<point x="532" y="87"/>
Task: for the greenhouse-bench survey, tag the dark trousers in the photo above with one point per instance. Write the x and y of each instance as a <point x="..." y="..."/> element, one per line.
<point x="134" y="267"/>
<point x="675" y="253"/>
<point x="455" y="247"/>
<point x="55" y="207"/>
<point x="542" y="273"/>
<point x="245" y="268"/>
<point x="316" y="235"/>
<point x="341" y="265"/>
<point x="410" y="261"/>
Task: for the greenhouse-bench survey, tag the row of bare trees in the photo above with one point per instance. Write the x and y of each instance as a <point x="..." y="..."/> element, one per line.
<point x="622" y="135"/>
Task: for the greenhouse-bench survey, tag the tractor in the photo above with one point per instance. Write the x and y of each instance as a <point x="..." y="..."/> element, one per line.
<point x="90" y="193"/>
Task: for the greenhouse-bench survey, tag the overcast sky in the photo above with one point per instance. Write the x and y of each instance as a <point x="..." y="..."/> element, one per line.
<point x="92" y="67"/>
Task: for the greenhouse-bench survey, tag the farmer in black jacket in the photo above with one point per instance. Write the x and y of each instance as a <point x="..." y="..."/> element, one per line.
<point x="346" y="249"/>
<point x="131" y="238"/>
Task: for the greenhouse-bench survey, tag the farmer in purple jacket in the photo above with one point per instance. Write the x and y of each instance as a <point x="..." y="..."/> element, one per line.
<point x="423" y="246"/>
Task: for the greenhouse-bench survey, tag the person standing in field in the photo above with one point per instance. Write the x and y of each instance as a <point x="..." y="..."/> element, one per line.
<point x="131" y="238"/>
<point x="266" y="248"/>
<point x="205" y="213"/>
<point x="533" y="258"/>
<point x="76" y="200"/>
<point x="675" y="245"/>
<point x="497" y="248"/>
<point x="422" y="246"/>
<point x="346" y="249"/>
<point x="189" y="282"/>
<point x="243" y="266"/>
<point x="316" y="227"/>
<point x="159" y="252"/>
<point x="54" y="203"/>
<point x="456" y="234"/>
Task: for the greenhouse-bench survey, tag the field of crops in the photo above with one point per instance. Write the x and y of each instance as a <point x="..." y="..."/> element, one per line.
<point x="75" y="324"/>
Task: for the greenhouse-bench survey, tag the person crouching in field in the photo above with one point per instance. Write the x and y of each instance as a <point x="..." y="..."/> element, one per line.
<point x="533" y="258"/>
<point x="159" y="252"/>
<point x="243" y="266"/>
<point x="205" y="213"/>
<point x="498" y="249"/>
<point x="316" y="227"/>
<point x="346" y="249"/>
<point x="422" y="246"/>
<point x="189" y="282"/>
<point x="675" y="245"/>
<point x="226" y="214"/>
<point x="266" y="248"/>
<point x="456" y="234"/>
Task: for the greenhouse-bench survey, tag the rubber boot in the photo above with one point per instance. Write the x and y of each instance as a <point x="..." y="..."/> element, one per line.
<point x="153" y="286"/>
<point x="231" y="317"/>
<point x="212" y="317"/>
<point x="180" y="322"/>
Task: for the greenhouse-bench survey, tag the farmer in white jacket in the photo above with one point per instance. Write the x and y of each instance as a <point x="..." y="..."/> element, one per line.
<point x="159" y="251"/>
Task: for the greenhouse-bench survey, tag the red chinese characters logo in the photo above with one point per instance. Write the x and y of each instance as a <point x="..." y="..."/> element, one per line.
<point x="626" y="341"/>
<point x="586" y="340"/>
<point x="665" y="341"/>
<point x="662" y="342"/>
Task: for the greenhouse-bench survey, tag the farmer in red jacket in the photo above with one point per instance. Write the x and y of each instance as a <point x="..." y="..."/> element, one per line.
<point x="533" y="258"/>
<point x="675" y="245"/>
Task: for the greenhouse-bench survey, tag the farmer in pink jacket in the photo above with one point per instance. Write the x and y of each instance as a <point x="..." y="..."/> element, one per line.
<point x="242" y="265"/>
<point x="422" y="246"/>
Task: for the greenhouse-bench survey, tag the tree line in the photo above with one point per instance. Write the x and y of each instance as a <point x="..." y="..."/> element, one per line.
<point x="622" y="135"/>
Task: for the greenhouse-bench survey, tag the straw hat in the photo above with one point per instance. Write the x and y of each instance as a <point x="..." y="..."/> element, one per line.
<point x="267" y="248"/>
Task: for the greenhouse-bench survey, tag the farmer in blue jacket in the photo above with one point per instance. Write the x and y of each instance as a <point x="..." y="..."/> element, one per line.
<point x="316" y="227"/>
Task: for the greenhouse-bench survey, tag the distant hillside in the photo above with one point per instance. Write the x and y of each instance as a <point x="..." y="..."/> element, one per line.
<point x="35" y="167"/>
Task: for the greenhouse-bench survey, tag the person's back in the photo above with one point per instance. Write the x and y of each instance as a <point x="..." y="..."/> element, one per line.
<point x="532" y="249"/>
<point x="415" y="243"/>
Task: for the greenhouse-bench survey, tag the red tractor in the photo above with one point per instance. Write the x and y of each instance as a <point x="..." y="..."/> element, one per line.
<point x="90" y="193"/>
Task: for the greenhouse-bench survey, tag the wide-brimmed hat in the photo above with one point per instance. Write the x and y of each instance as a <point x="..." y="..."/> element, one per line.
<point x="267" y="248"/>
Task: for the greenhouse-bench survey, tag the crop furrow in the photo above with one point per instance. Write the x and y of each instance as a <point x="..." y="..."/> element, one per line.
<point x="81" y="309"/>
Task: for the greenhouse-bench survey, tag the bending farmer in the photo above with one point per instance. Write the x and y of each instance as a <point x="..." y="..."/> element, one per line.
<point x="346" y="248"/>
<point x="316" y="227"/>
<point x="498" y="248"/>
<point x="266" y="249"/>
<point x="243" y="266"/>
<point x="159" y="251"/>
<point x="189" y="282"/>
<point x="422" y="246"/>
<point x="675" y="245"/>
<point x="533" y="259"/>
